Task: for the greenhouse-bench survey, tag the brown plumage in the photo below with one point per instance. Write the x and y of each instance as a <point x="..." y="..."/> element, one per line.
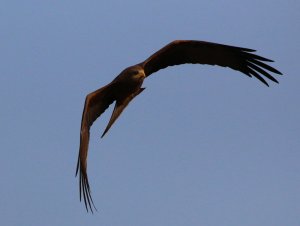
<point x="127" y="85"/>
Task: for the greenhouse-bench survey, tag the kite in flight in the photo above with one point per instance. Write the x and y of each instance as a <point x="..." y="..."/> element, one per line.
<point x="128" y="84"/>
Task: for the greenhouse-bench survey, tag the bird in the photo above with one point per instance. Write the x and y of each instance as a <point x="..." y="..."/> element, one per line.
<point x="128" y="85"/>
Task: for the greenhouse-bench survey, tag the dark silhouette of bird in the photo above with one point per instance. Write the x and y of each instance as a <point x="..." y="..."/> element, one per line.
<point x="128" y="84"/>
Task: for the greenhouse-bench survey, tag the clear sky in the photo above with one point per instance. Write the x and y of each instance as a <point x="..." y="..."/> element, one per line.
<point x="201" y="145"/>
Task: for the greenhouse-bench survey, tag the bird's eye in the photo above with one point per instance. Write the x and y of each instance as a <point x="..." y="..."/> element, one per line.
<point x="135" y="72"/>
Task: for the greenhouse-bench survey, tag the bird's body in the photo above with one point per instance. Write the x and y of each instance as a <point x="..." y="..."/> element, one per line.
<point x="128" y="84"/>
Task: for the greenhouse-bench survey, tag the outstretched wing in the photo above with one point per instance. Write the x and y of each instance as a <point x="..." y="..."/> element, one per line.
<point x="200" y="52"/>
<point x="95" y="104"/>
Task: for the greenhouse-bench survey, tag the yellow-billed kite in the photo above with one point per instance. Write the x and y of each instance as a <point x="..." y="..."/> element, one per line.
<point x="128" y="84"/>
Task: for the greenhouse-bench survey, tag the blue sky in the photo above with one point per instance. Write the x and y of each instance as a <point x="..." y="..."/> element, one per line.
<point x="201" y="146"/>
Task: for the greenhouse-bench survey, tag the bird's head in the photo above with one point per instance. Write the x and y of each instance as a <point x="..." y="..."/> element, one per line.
<point x="138" y="72"/>
<point x="135" y="73"/>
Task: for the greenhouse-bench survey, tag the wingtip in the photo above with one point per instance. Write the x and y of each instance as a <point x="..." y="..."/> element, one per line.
<point x="278" y="72"/>
<point x="90" y="210"/>
<point x="77" y="167"/>
<point x="247" y="49"/>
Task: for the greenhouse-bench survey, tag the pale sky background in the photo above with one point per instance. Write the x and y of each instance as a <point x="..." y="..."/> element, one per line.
<point x="201" y="145"/>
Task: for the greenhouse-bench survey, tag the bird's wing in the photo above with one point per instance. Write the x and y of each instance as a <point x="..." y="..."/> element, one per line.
<point x="95" y="104"/>
<point x="200" y="52"/>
